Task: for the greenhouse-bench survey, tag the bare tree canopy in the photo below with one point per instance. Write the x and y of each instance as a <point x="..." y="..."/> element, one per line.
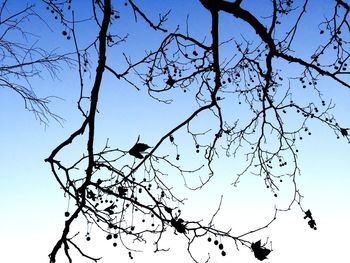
<point x="23" y="60"/>
<point x="256" y="87"/>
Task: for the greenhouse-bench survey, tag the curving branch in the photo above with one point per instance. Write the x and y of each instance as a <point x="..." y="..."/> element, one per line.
<point x="248" y="99"/>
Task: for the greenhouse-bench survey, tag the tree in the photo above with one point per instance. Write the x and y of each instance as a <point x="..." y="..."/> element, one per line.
<point x="21" y="62"/>
<point x="244" y="83"/>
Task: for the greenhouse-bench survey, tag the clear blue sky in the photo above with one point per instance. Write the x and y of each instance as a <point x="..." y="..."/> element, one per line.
<point x="32" y="205"/>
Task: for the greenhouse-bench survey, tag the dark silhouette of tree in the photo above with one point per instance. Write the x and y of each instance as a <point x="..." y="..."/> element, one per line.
<point x="248" y="92"/>
<point x="22" y="61"/>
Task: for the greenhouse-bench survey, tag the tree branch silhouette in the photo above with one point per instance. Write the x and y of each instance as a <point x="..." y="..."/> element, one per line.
<point x="220" y="83"/>
<point x="21" y="62"/>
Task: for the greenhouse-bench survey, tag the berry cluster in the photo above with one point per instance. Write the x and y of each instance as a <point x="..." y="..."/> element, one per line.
<point x="219" y="245"/>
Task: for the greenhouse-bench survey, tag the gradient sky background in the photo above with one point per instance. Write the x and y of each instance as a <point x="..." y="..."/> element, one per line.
<point x="32" y="206"/>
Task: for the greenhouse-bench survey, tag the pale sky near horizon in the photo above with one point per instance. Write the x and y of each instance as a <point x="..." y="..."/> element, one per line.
<point x="32" y="205"/>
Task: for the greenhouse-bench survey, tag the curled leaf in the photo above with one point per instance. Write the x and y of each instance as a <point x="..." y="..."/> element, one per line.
<point x="308" y="214"/>
<point x="311" y="222"/>
<point x="109" y="209"/>
<point x="178" y="225"/>
<point x="259" y="251"/>
<point x="168" y="210"/>
<point x="91" y="195"/>
<point x="122" y="190"/>
<point x="170" y="81"/>
<point x="344" y="132"/>
<point x="137" y="149"/>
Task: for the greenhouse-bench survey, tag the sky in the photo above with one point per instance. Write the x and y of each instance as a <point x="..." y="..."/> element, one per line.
<point x="32" y="204"/>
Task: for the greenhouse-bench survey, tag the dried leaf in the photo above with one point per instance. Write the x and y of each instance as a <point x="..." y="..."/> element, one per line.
<point x="170" y="81"/>
<point x="344" y="132"/>
<point x="109" y="209"/>
<point x="91" y="195"/>
<point x="122" y="190"/>
<point x="137" y="149"/>
<point x="168" y="210"/>
<point x="259" y="251"/>
<point x="178" y="225"/>
<point x="308" y="214"/>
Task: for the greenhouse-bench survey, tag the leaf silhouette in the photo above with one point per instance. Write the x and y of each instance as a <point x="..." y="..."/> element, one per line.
<point x="167" y="209"/>
<point x="109" y="209"/>
<point x="259" y="251"/>
<point x="178" y="225"/>
<point x="91" y="195"/>
<point x="122" y="190"/>
<point x="312" y="223"/>
<point x="137" y="149"/>
<point x="170" y="81"/>
<point x="344" y="132"/>
<point x="136" y="154"/>
<point x="308" y="214"/>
